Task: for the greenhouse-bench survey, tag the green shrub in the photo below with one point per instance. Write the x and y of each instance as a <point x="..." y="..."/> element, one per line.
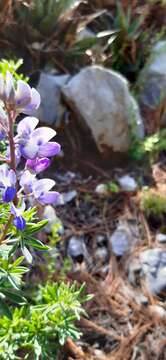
<point x="44" y="15"/>
<point x="153" y="204"/>
<point x="150" y="147"/>
<point x="34" y="332"/>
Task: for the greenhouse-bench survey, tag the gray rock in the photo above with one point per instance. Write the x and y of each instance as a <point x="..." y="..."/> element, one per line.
<point x="102" y="189"/>
<point x="152" y="89"/>
<point x="153" y="267"/>
<point x="161" y="238"/>
<point x="101" y="255"/>
<point x="127" y="183"/>
<point x="49" y="87"/>
<point x="124" y="238"/>
<point x="77" y="249"/>
<point x="64" y="198"/>
<point x="157" y="311"/>
<point x="105" y="107"/>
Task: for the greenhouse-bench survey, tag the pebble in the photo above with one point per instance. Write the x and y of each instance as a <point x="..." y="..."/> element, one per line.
<point x="161" y="238"/>
<point x="153" y="267"/>
<point x="127" y="183"/>
<point x="158" y="311"/>
<point x="77" y="249"/>
<point x="124" y="238"/>
<point x="64" y="198"/>
<point x="101" y="189"/>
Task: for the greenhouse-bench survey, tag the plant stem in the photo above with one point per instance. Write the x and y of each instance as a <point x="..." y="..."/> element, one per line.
<point x="5" y="230"/>
<point x="11" y="118"/>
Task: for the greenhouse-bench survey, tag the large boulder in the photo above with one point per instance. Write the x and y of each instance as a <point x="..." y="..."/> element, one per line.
<point x="51" y="109"/>
<point x="152" y="89"/>
<point x="104" y="105"/>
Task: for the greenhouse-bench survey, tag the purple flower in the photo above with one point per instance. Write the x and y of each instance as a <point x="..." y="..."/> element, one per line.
<point x="25" y="127"/>
<point x="7" y="88"/>
<point x="37" y="165"/>
<point x="17" y="154"/>
<point x="23" y="98"/>
<point x="35" y="143"/>
<point x="42" y="193"/>
<point x="26" y="181"/>
<point x="18" y="220"/>
<point x="40" y="189"/>
<point x="7" y="183"/>
<point x="26" y="99"/>
<point x="2" y="134"/>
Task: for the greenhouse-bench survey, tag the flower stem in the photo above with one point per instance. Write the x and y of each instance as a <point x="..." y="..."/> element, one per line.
<point x="11" y="118"/>
<point x="6" y="227"/>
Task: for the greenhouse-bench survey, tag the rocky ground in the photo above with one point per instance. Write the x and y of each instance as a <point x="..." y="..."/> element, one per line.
<point x="121" y="256"/>
<point x="114" y="245"/>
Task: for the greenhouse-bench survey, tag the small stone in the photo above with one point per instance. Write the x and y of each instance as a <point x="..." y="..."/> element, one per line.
<point x="49" y="87"/>
<point x="124" y="238"/>
<point x="153" y="267"/>
<point x="101" y="255"/>
<point x="101" y="189"/>
<point x="77" y="249"/>
<point x="161" y="238"/>
<point x="152" y="89"/>
<point x="127" y="183"/>
<point x="120" y="242"/>
<point x="157" y="311"/>
<point x="66" y="197"/>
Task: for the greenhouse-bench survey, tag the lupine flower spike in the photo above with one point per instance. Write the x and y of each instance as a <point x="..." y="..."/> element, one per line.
<point x="30" y="144"/>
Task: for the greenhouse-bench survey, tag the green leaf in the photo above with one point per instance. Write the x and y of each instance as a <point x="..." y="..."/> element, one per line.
<point x="12" y="281"/>
<point x="26" y="253"/>
<point x="18" y="261"/>
<point x="32" y="228"/>
<point x="36" y="243"/>
<point x="19" y="270"/>
<point x="13" y="296"/>
<point x="4" y="310"/>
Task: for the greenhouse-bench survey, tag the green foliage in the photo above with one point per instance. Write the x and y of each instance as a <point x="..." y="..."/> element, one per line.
<point x="127" y="49"/>
<point x="12" y="66"/>
<point x="34" y="332"/>
<point x="44" y="15"/>
<point x="150" y="147"/>
<point x="11" y="270"/>
<point x="112" y="187"/>
<point x="153" y="204"/>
